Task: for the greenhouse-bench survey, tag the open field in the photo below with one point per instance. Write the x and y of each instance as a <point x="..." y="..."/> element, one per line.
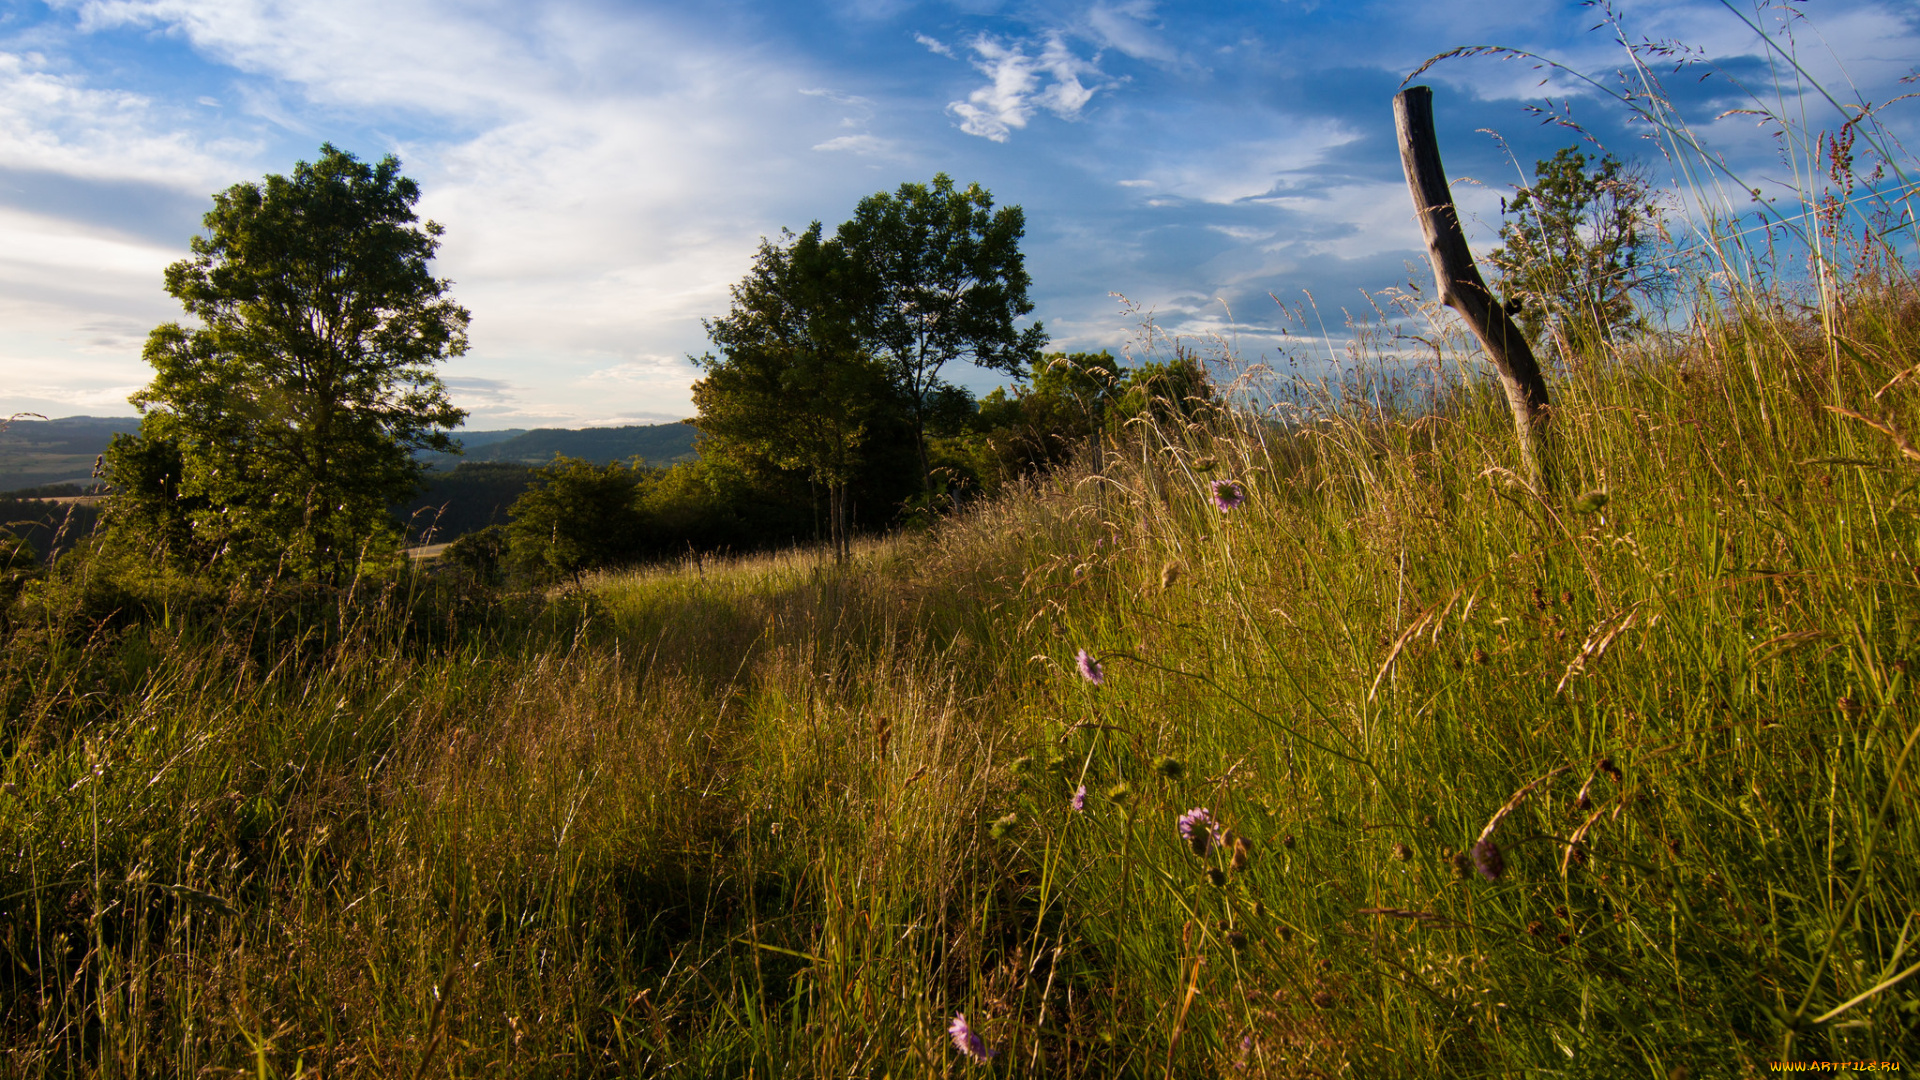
<point x="1505" y="782"/>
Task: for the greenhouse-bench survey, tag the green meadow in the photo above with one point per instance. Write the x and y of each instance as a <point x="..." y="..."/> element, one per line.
<point x="780" y="816"/>
<point x="1292" y="727"/>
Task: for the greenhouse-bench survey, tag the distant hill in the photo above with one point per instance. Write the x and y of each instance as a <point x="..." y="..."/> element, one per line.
<point x="470" y="492"/>
<point x="39" y="453"/>
<point x="659" y="444"/>
<point x="464" y="499"/>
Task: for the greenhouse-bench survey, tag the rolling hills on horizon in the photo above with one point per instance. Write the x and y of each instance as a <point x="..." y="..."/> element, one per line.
<point x="38" y="453"/>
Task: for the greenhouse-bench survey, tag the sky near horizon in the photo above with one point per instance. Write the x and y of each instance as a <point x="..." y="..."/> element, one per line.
<point x="604" y="170"/>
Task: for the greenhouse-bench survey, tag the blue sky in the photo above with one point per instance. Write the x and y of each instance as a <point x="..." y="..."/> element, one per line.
<point x="604" y="170"/>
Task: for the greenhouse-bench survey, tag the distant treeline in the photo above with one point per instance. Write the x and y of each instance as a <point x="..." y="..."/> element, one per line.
<point x="48" y="527"/>
<point x="468" y="492"/>
<point x="576" y="514"/>
<point x="658" y="444"/>
<point x="684" y="500"/>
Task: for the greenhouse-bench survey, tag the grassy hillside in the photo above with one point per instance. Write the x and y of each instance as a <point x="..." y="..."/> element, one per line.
<point x="1496" y="781"/>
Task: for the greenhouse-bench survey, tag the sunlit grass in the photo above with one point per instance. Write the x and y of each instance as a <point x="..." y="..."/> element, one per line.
<point x="768" y="815"/>
<point x="1612" y="780"/>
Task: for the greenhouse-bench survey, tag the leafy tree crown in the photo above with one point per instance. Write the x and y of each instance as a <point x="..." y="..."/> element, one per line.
<point x="1574" y="251"/>
<point x="290" y="412"/>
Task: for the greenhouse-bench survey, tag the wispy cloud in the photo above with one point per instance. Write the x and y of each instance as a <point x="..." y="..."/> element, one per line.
<point x="936" y="45"/>
<point x="1021" y="83"/>
<point x="865" y="145"/>
<point x="645" y="368"/>
<point x="56" y="121"/>
<point x="1125" y="26"/>
<point x="605" y="169"/>
<point x="602" y="180"/>
<point x="838" y="97"/>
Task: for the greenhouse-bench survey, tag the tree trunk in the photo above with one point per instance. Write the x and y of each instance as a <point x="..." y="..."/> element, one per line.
<point x="1458" y="279"/>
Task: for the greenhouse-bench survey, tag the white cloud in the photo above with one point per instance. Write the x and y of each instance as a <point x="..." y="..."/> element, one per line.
<point x="837" y="97"/>
<point x="39" y="248"/>
<point x="57" y="123"/>
<point x="936" y="45"/>
<point x="865" y="145"/>
<point x="602" y="181"/>
<point x="1232" y="170"/>
<point x="645" y="369"/>
<point x="1124" y="26"/>
<point x="423" y="56"/>
<point x="1009" y="100"/>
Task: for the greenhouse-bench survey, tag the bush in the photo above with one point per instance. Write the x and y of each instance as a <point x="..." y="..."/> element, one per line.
<point x="578" y="516"/>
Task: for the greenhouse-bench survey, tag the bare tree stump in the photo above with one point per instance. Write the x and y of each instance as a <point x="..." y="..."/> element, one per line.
<point x="1458" y="279"/>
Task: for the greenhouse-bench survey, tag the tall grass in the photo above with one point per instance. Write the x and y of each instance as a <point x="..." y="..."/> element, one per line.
<point x="1615" y="783"/>
<point x="771" y="817"/>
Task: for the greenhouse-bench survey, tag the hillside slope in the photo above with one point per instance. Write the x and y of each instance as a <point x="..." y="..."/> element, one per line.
<point x="1334" y="749"/>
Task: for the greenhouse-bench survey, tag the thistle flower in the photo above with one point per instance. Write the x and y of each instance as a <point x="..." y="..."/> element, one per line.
<point x="1488" y="861"/>
<point x="1090" y="668"/>
<point x="1229" y="494"/>
<point x="967" y="1042"/>
<point x="1080" y="800"/>
<point x="1198" y="830"/>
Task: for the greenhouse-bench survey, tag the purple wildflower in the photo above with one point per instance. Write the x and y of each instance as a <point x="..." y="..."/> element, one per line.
<point x="1198" y="830"/>
<point x="1090" y="668"/>
<point x="1229" y="494"/>
<point x="1488" y="860"/>
<point x="966" y="1041"/>
<point x="1080" y="799"/>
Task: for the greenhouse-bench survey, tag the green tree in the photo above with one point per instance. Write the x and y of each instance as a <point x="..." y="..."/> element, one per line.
<point x="792" y="385"/>
<point x="282" y="427"/>
<point x="1176" y="391"/>
<point x="1041" y="425"/>
<point x="938" y="276"/>
<point x="578" y="516"/>
<point x="482" y="553"/>
<point x="1573" y="251"/>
